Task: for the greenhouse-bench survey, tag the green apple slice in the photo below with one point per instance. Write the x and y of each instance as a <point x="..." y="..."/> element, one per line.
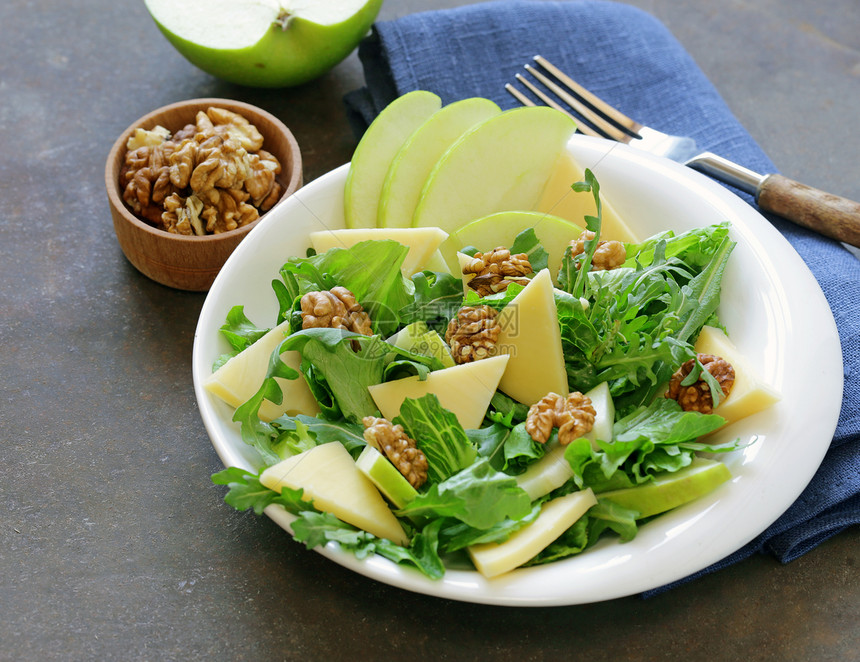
<point x="264" y="43"/>
<point x="671" y="490"/>
<point x="501" y="164"/>
<point x="502" y="228"/>
<point x="556" y="517"/>
<point x="553" y="470"/>
<point x="530" y="335"/>
<point x="422" y="242"/>
<point x="415" y="160"/>
<point x="604" y="413"/>
<point x="376" y="150"/>
<point x="330" y="479"/>
<point x="418" y="338"/>
<point x="385" y="476"/>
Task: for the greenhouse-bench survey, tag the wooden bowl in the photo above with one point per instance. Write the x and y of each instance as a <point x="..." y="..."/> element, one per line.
<point x="191" y="262"/>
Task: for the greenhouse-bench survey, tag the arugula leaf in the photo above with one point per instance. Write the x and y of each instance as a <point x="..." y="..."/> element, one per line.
<point x="438" y="434"/>
<point x="705" y="289"/>
<point x="497" y="300"/>
<point x="314" y="528"/>
<point x="665" y="422"/>
<point x="247" y="492"/>
<point x="654" y="439"/>
<point x="594" y="224"/>
<point x="239" y="331"/>
<point x="301" y="432"/>
<point x="437" y="298"/>
<point x="506" y="410"/>
<point x="478" y="495"/>
<point x="695" y="247"/>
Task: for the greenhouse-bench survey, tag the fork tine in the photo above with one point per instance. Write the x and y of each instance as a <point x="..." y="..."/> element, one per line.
<point x="599" y="104"/>
<point x="604" y="128"/>
<point x="523" y="99"/>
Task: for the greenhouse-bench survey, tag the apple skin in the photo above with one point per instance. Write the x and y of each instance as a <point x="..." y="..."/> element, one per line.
<point x="283" y="57"/>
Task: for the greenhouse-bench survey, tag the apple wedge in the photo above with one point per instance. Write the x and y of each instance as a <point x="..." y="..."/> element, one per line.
<point x="671" y="490"/>
<point x="264" y="43"/>
<point x="415" y="160"/>
<point x="501" y="164"/>
<point x="377" y="149"/>
<point x="385" y="476"/>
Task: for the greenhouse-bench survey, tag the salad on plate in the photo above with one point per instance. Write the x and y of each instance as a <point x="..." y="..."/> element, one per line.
<point x="481" y="395"/>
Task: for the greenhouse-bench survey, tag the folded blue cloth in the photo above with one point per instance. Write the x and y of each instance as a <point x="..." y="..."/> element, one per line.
<point x="632" y="61"/>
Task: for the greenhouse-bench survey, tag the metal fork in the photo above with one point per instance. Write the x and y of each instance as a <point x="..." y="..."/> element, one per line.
<point x="817" y="210"/>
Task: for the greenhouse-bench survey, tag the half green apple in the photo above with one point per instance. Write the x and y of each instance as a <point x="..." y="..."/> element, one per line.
<point x="264" y="43"/>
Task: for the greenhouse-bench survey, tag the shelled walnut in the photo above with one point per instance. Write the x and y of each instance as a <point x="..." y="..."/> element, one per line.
<point x="697" y="396"/>
<point x="335" y="309"/>
<point x="497" y="269"/>
<point x="217" y="161"/>
<point x="610" y="254"/>
<point x="473" y="333"/>
<point x="572" y="415"/>
<point x="398" y="447"/>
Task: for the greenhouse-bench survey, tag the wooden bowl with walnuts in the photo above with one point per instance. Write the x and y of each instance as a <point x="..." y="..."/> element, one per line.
<point x="187" y="182"/>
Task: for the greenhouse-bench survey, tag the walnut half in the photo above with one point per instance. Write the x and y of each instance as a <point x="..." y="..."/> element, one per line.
<point x="608" y="255"/>
<point x="336" y="309"/>
<point x="398" y="447"/>
<point x="697" y="396"/>
<point x="572" y="415"/>
<point x="473" y="333"/>
<point x="495" y="270"/>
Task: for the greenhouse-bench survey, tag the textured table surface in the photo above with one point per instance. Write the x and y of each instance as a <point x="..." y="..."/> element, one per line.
<point x="115" y="545"/>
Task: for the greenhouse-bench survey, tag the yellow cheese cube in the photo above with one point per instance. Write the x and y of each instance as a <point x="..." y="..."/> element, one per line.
<point x="241" y="377"/>
<point x="556" y="517"/>
<point x="750" y="394"/>
<point x="464" y="389"/>
<point x="531" y="337"/>
<point x="558" y="199"/>
<point x="330" y="478"/>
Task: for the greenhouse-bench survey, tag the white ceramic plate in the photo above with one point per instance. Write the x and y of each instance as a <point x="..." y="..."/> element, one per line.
<point x="771" y="305"/>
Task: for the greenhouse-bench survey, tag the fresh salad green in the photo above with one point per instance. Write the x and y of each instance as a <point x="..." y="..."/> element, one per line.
<point x="630" y="327"/>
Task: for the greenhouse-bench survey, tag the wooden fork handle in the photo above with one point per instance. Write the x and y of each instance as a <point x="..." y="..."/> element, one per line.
<point x="825" y="213"/>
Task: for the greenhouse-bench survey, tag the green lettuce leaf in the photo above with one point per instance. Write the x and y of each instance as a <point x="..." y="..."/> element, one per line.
<point x="369" y="269"/>
<point x="438" y="434"/>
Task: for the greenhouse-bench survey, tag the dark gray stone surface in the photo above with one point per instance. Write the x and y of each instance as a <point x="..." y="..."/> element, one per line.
<point x="114" y="544"/>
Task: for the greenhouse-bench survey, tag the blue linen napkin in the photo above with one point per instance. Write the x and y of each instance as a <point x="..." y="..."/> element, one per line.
<point x="632" y="61"/>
